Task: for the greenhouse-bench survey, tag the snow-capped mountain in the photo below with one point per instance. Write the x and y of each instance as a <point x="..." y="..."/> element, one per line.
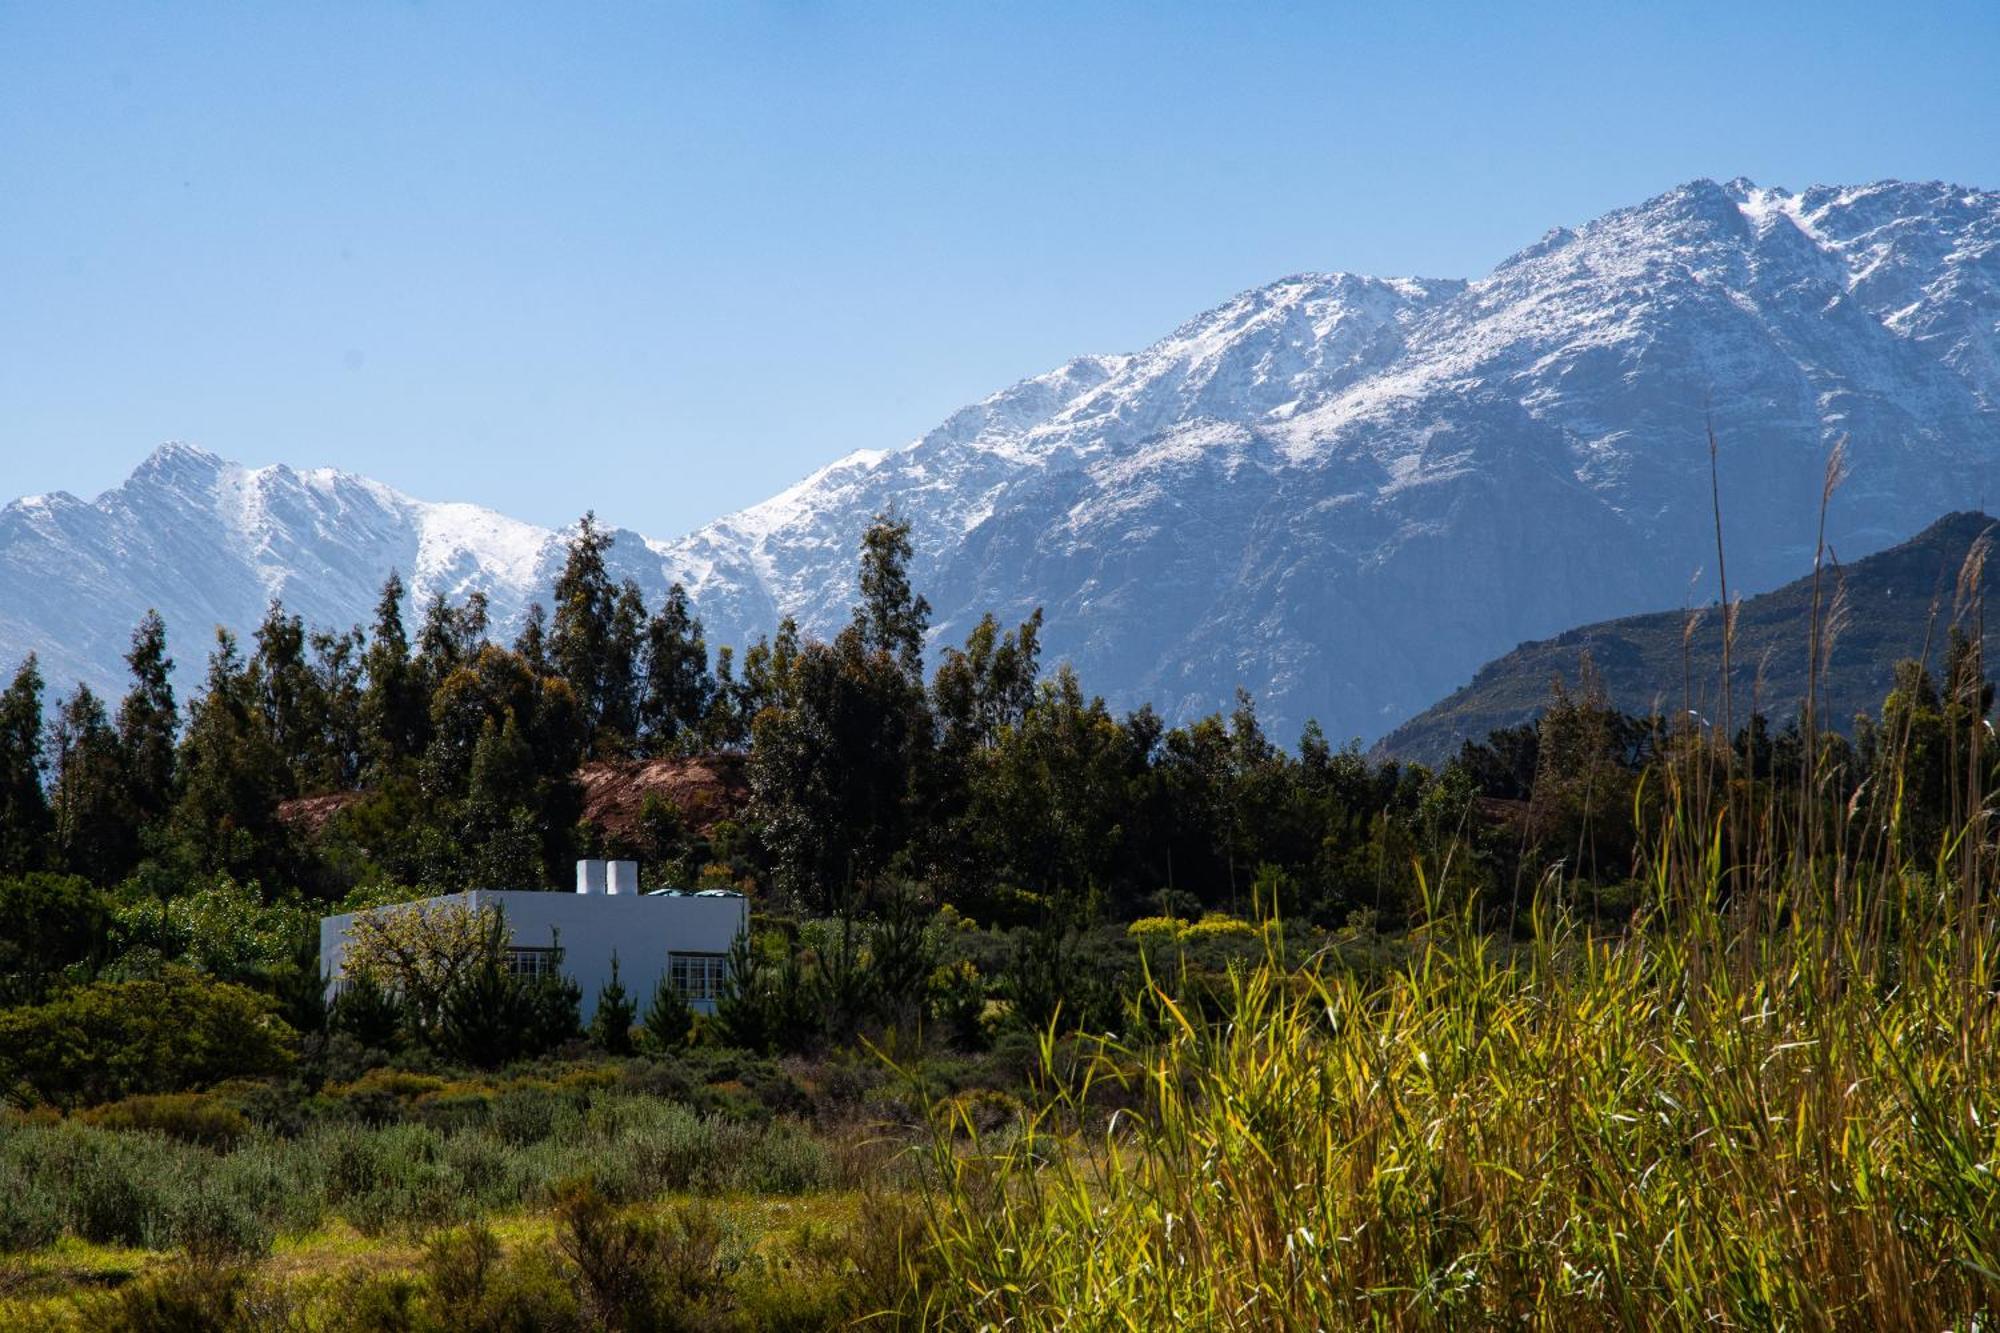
<point x="1343" y="493"/>
<point x="209" y="543"/>
<point x="1339" y="491"/>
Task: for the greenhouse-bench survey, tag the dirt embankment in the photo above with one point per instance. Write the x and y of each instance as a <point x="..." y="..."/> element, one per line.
<point x="706" y="790"/>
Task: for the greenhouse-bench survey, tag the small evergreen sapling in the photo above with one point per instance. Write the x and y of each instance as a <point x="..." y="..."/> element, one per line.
<point x="669" y="1018"/>
<point x="611" y="1025"/>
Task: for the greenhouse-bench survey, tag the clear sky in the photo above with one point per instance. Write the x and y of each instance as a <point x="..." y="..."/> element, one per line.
<point x="663" y="260"/>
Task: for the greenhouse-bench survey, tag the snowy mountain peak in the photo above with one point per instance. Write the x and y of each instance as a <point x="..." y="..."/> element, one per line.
<point x="1342" y="492"/>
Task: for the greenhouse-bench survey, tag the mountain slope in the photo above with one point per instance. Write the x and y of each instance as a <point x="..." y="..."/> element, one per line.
<point x="1894" y="604"/>
<point x="208" y="542"/>
<point x="1344" y="493"/>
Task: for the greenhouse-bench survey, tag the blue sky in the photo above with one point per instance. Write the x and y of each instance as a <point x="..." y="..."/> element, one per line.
<point x="662" y="260"/>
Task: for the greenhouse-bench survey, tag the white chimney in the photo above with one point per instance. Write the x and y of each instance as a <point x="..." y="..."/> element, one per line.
<point x="624" y="877"/>
<point x="590" y="877"/>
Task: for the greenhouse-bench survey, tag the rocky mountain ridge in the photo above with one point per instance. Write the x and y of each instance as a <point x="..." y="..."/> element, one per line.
<point x="1343" y="493"/>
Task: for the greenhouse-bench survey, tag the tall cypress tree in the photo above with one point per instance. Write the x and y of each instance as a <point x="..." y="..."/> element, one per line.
<point x="24" y="809"/>
<point x="582" y="623"/>
<point x="149" y="723"/>
<point x="499" y="811"/>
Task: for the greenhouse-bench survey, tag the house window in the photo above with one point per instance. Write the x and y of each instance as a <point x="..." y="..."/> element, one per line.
<point x="530" y="964"/>
<point x="698" y="976"/>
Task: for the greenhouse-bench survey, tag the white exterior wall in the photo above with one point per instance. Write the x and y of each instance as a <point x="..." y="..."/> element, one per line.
<point x="643" y="929"/>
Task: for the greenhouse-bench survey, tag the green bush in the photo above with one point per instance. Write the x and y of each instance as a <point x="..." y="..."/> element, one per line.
<point x="30" y="1214"/>
<point x="190" y="1117"/>
<point x="108" y="1040"/>
<point x="526" y="1112"/>
<point x="108" y="1187"/>
<point x="213" y="1225"/>
<point x="187" y="1298"/>
<point x="470" y="1285"/>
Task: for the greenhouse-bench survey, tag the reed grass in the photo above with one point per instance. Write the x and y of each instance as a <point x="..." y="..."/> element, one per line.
<point x="1771" y="1099"/>
<point x="1673" y="1126"/>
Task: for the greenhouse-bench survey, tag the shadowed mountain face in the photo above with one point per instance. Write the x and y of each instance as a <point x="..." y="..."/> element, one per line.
<point x="1343" y="493"/>
<point x="1898" y="603"/>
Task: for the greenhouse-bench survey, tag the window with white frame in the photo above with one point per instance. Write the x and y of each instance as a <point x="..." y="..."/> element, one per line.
<point x="530" y="963"/>
<point x="698" y="976"/>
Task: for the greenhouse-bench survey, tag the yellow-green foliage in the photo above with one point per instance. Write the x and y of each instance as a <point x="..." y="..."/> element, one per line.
<point x="110" y="1039"/>
<point x="1217" y="926"/>
<point x="1706" y="1119"/>
<point x="399" y="1083"/>
<point x="1156" y="927"/>
<point x="191" y="1117"/>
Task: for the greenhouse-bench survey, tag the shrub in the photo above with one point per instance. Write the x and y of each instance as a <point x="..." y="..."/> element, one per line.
<point x="786" y="1160"/>
<point x="108" y="1040"/>
<point x="957" y="996"/>
<point x="30" y="1214"/>
<point x="47" y="922"/>
<point x="111" y="1188"/>
<point x="1215" y="925"/>
<point x="367" y="1011"/>
<point x="190" y="1117"/>
<point x="638" y="1273"/>
<point x="214" y="1226"/>
<point x="187" y="1298"/>
<point x="526" y="1112"/>
<point x="456" y="1108"/>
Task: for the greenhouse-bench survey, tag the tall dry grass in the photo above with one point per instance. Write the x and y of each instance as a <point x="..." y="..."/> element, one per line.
<point x="1770" y="1100"/>
<point x="1680" y="1125"/>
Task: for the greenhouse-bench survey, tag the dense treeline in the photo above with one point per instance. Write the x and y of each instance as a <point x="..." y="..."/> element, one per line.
<point x="892" y="811"/>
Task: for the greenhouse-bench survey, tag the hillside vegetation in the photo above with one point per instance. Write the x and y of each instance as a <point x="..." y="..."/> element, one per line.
<point x="1885" y="608"/>
<point x="1047" y="1016"/>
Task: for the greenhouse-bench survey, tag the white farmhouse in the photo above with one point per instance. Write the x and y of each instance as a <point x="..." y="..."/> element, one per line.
<point x="683" y="936"/>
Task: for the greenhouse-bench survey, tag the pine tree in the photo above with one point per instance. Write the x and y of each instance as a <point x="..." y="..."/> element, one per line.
<point x="678" y="686"/>
<point x="611" y="1024"/>
<point x="503" y="841"/>
<point x="580" y="636"/>
<point x="149" y="723"/>
<point x="619" y="688"/>
<point x="24" y="811"/>
<point x="337" y="683"/>
<point x="723" y="725"/>
<point x="287" y="697"/>
<point x="489" y="1016"/>
<point x="669" y="1017"/>
<point x="831" y="769"/>
<point x="233" y="776"/>
<point x="94" y="833"/>
<point x="368" y="1012"/>
<point x="554" y="1004"/>
<point x="450" y="637"/>
<point x="394" y="712"/>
